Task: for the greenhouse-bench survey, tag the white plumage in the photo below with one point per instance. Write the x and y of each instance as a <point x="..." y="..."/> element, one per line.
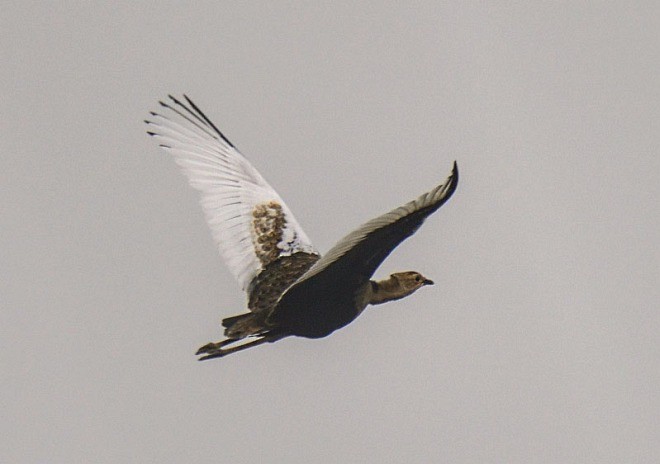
<point x="231" y="188"/>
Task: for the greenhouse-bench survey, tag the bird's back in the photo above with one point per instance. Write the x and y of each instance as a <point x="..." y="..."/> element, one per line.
<point x="269" y="285"/>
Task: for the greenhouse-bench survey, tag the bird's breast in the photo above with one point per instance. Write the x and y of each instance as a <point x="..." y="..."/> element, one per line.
<point x="316" y="314"/>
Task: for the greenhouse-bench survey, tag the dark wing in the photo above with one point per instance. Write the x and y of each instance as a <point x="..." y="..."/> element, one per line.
<point x="324" y="298"/>
<point x="361" y="252"/>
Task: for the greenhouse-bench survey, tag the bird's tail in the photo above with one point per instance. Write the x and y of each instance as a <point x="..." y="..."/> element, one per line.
<point x="244" y="325"/>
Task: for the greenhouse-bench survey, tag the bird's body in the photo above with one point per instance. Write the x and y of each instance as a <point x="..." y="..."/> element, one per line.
<point x="292" y="290"/>
<point x="319" y="308"/>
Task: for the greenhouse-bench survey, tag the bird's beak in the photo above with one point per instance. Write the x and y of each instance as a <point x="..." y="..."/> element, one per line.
<point x="428" y="282"/>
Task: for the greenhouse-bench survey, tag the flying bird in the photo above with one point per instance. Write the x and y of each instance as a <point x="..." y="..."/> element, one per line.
<point x="291" y="288"/>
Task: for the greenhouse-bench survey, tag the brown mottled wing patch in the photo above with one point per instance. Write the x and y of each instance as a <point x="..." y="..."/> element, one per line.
<point x="267" y="287"/>
<point x="268" y="223"/>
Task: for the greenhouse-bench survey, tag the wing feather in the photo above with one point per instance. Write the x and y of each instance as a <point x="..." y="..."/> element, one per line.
<point x="250" y="223"/>
<point x="357" y="256"/>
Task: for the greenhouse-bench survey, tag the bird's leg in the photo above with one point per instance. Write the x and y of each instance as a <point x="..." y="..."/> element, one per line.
<point x="211" y="347"/>
<point x="219" y="352"/>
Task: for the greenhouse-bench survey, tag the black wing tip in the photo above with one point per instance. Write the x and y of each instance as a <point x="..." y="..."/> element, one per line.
<point x="196" y="112"/>
<point x="206" y="118"/>
<point x="454" y="172"/>
<point x="444" y="191"/>
<point x="176" y="101"/>
<point x="452" y="181"/>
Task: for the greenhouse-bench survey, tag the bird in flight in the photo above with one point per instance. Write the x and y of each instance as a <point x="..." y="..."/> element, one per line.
<point x="291" y="288"/>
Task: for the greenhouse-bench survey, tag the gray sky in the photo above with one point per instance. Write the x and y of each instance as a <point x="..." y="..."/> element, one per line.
<point x="539" y="341"/>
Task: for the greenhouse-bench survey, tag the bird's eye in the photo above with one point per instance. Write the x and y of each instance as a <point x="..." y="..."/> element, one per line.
<point x="417" y="278"/>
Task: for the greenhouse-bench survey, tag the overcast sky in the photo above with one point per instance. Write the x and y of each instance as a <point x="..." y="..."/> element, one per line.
<point x="539" y="342"/>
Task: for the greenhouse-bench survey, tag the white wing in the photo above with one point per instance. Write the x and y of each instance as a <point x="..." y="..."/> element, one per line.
<point x="251" y="225"/>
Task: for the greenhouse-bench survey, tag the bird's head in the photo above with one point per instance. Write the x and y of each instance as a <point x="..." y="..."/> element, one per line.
<point x="410" y="281"/>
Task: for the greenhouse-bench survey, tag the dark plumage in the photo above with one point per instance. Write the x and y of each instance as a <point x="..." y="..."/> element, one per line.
<point x="292" y="290"/>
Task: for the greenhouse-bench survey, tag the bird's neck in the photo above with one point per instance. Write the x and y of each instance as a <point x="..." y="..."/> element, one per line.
<point x="382" y="291"/>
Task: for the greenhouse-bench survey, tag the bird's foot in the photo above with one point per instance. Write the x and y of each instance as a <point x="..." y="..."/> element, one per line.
<point x="207" y="348"/>
<point x="214" y="347"/>
<point x="216" y="350"/>
<point x="211" y="350"/>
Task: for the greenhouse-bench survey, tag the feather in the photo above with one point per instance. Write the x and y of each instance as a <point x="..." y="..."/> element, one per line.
<point x="251" y="225"/>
